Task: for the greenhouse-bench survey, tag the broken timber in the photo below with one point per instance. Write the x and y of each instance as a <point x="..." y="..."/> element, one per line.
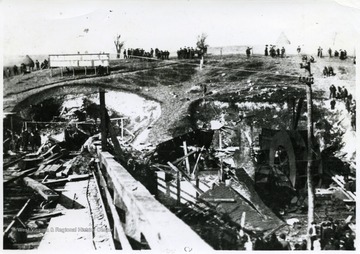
<point x="45" y="192"/>
<point x="16" y="218"/>
<point x="70" y="178"/>
<point x="22" y="174"/>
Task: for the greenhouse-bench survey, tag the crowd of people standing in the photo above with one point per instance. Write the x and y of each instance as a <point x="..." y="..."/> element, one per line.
<point x="341" y="94"/>
<point x="186" y="53"/>
<point x="275" y="51"/>
<point x="159" y="54"/>
<point x="28" y="140"/>
<point x="23" y="68"/>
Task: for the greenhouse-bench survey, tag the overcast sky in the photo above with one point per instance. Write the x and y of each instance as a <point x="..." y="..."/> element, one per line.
<point x="48" y="27"/>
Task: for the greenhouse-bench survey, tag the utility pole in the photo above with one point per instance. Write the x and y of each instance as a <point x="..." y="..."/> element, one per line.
<point x="311" y="197"/>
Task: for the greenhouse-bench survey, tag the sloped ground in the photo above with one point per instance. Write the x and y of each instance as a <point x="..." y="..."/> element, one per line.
<point x="236" y="80"/>
<point x="259" y="86"/>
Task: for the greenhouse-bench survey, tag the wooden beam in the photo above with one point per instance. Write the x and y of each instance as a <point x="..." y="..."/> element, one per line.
<point x="227" y="200"/>
<point x="40" y="188"/>
<point x="187" y="164"/>
<point x="48" y="215"/>
<point x="197" y="160"/>
<point x="177" y="161"/>
<point x="71" y="178"/>
<point x="104" y="123"/>
<point x="118" y="227"/>
<point x="22" y="174"/>
<point x="18" y="215"/>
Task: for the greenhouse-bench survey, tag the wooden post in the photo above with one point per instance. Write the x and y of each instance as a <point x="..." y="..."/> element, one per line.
<point x="103" y="119"/>
<point x="122" y="129"/>
<point x="187" y="158"/>
<point x="220" y="140"/>
<point x="198" y="186"/>
<point x="178" y="187"/>
<point x="12" y="133"/>
<point x="197" y="162"/>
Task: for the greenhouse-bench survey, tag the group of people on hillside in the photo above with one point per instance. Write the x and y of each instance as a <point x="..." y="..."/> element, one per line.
<point x="186" y="53"/>
<point x="274" y="51"/>
<point x="342" y="94"/>
<point x="22" y="69"/>
<point x="328" y="71"/>
<point x="159" y="54"/>
<point x="137" y="52"/>
<point x="342" y="54"/>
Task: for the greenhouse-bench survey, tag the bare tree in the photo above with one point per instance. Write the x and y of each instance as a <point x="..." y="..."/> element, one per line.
<point x="201" y="44"/>
<point x="118" y="44"/>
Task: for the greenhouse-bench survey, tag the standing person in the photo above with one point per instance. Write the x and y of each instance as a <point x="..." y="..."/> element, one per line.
<point x="282" y="52"/>
<point x="15" y="70"/>
<point x="8" y="73"/>
<point x="348" y="104"/>
<point x="313" y="232"/>
<point x="326" y="72"/>
<point x="344" y="93"/>
<point x="266" y="50"/>
<point x="278" y="52"/>
<point x="319" y="51"/>
<point x="248" y="51"/>
<point x="31" y="140"/>
<point x="125" y="56"/>
<point x="332" y="104"/>
<point x="25" y="139"/>
<point x="298" y="49"/>
<point x="332" y="91"/>
<point x="37" y="64"/>
<point x="285" y="244"/>
<point x="330" y="52"/>
<point x="339" y="93"/>
<point x="37" y="139"/>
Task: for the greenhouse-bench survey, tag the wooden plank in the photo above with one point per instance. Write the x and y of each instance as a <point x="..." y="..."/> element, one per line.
<point x="22" y="174"/>
<point x="67" y="171"/>
<point x="220" y="200"/>
<point x="71" y="178"/>
<point x="125" y="245"/>
<point x="54" y="169"/>
<point x="183" y="157"/>
<point x="187" y="163"/>
<point x="48" y="215"/>
<point x="40" y="188"/>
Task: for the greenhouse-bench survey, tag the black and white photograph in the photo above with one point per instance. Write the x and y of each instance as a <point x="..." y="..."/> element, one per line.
<point x="185" y="126"/>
